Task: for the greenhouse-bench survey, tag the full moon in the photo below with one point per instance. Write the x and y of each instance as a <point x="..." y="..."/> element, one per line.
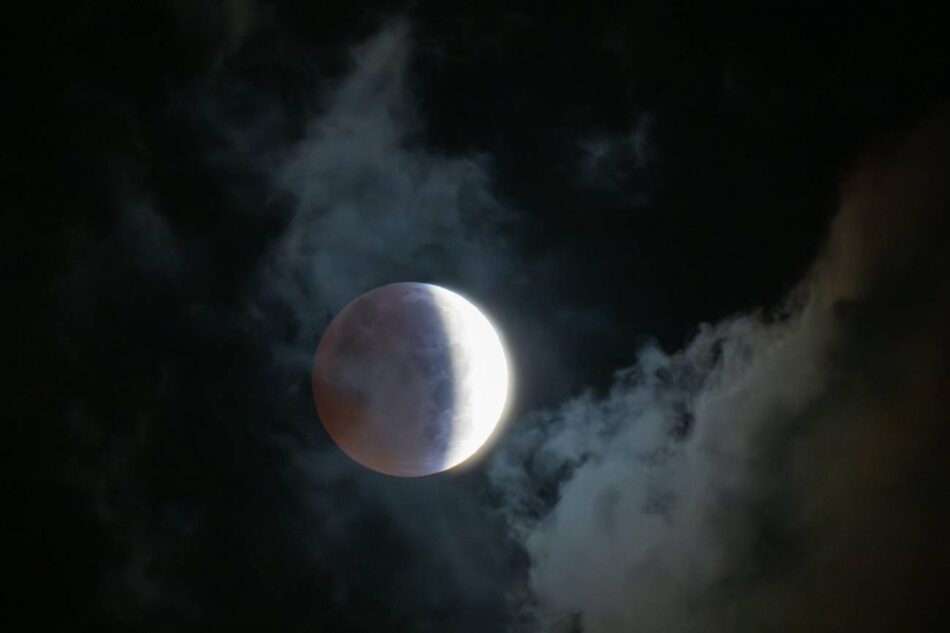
<point x="410" y="379"/>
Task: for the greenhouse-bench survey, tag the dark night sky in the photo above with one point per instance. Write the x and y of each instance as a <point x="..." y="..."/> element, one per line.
<point x="715" y="242"/>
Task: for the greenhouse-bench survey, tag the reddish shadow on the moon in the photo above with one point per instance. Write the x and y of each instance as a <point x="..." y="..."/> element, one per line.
<point x="385" y="381"/>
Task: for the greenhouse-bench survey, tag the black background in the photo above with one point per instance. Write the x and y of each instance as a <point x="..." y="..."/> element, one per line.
<point x="751" y="120"/>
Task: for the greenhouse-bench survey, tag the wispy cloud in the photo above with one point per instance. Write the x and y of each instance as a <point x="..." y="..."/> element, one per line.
<point x="371" y="205"/>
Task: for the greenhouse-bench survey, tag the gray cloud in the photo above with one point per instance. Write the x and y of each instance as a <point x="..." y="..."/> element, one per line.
<point x="371" y="206"/>
<point x="780" y="473"/>
<point x="610" y="162"/>
<point x="367" y="205"/>
<point x="713" y="488"/>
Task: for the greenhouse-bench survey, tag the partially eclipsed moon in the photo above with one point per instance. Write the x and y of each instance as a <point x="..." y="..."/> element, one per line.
<point x="410" y="379"/>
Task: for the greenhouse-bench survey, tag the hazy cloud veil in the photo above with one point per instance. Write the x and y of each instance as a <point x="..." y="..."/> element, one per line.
<point x="371" y="207"/>
<point x="366" y="204"/>
<point x="769" y="476"/>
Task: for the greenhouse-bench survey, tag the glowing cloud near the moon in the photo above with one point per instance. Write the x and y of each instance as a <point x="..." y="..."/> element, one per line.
<point x="410" y="379"/>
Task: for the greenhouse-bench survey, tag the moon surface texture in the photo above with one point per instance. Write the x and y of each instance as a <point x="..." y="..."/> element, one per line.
<point x="410" y="379"/>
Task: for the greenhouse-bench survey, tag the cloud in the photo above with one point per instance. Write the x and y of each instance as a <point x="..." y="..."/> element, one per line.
<point x="783" y="471"/>
<point x="611" y="162"/>
<point x="372" y="206"/>
<point x="221" y="501"/>
<point x="766" y="477"/>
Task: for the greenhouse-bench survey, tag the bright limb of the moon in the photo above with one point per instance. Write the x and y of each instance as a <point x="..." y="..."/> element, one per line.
<point x="410" y="379"/>
<point x="482" y="370"/>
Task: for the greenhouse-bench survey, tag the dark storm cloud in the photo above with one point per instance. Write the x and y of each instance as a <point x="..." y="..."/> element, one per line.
<point x="777" y="474"/>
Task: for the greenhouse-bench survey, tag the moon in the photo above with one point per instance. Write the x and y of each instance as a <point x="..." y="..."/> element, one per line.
<point x="410" y="379"/>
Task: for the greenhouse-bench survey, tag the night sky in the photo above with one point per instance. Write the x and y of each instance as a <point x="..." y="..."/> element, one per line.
<point x="715" y="243"/>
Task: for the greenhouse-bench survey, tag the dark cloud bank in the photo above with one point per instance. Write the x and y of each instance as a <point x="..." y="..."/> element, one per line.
<point x="783" y="471"/>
